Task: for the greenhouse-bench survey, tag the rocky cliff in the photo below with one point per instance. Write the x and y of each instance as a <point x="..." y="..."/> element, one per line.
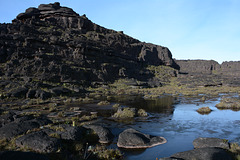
<point x="53" y="46"/>
<point x="209" y="72"/>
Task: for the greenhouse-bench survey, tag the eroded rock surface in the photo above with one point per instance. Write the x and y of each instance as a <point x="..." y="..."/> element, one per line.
<point x="21" y="126"/>
<point x="131" y="138"/>
<point x="39" y="142"/>
<point x="210" y="142"/>
<point x="52" y="46"/>
<point x="104" y="134"/>
<point x="204" y="154"/>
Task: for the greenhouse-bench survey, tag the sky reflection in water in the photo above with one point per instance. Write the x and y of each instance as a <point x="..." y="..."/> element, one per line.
<point x="184" y="125"/>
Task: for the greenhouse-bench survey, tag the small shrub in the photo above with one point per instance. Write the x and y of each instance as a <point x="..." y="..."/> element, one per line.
<point x="116" y="105"/>
<point x="125" y="113"/>
<point x="103" y="103"/>
<point x="142" y="113"/>
<point x="229" y="103"/>
<point x="204" y="110"/>
<point x="107" y="154"/>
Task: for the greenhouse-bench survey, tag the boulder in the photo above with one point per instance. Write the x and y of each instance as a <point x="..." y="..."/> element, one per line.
<point x="13" y="129"/>
<point x="72" y="133"/>
<point x="39" y="142"/>
<point x="13" y="155"/>
<point x="131" y="138"/>
<point x="7" y="118"/>
<point x="204" y="154"/>
<point x="104" y="134"/>
<point x="211" y="142"/>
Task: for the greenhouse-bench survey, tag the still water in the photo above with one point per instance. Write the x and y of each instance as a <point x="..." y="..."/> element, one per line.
<point x="177" y="120"/>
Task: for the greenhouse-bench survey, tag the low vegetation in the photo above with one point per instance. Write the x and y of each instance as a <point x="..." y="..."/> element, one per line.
<point x="204" y="110"/>
<point x="127" y="112"/>
<point x="102" y="152"/>
<point x="229" y="103"/>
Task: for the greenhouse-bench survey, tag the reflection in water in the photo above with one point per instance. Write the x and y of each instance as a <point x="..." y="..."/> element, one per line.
<point x="180" y="124"/>
<point x="162" y="104"/>
<point x="176" y="119"/>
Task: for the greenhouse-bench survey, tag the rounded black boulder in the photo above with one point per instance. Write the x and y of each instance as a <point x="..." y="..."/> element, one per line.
<point x="131" y="138"/>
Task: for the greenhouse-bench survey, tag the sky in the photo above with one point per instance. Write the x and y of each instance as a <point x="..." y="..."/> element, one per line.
<point x="191" y="29"/>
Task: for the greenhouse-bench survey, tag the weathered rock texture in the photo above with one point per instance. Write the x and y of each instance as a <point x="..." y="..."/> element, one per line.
<point x="210" y="142"/>
<point x="204" y="154"/>
<point x="131" y="138"/>
<point x="209" y="72"/>
<point x="52" y="45"/>
<point x="39" y="142"/>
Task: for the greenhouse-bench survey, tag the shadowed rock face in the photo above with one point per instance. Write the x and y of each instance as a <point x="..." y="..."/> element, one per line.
<point x="209" y="73"/>
<point x="54" y="44"/>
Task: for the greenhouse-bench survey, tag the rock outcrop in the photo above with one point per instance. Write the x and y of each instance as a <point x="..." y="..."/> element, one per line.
<point x="205" y="148"/>
<point x="131" y="138"/>
<point x="103" y="133"/>
<point x="51" y="45"/>
<point x="204" y="154"/>
<point x="39" y="142"/>
<point x="209" y="73"/>
<point x="210" y="142"/>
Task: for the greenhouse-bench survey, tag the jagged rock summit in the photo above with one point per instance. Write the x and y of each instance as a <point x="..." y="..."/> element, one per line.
<point x="53" y="46"/>
<point x="47" y="10"/>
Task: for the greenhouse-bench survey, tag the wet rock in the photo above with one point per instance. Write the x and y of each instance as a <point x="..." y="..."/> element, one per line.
<point x="104" y="134"/>
<point x="210" y="142"/>
<point x="39" y="142"/>
<point x="204" y="154"/>
<point x="131" y="138"/>
<point x="13" y="155"/>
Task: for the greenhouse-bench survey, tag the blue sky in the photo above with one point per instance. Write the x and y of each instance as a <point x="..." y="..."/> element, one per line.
<point x="191" y="29"/>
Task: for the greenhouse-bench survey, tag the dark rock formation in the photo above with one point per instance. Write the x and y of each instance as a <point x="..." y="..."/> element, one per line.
<point x="72" y="133"/>
<point x="51" y="46"/>
<point x="210" y="142"/>
<point x="39" y="142"/>
<point x="208" y="73"/>
<point x="131" y="138"/>
<point x="104" y="134"/>
<point x="204" y="154"/>
<point x="13" y="155"/>
<point x="197" y="66"/>
<point x="21" y="126"/>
